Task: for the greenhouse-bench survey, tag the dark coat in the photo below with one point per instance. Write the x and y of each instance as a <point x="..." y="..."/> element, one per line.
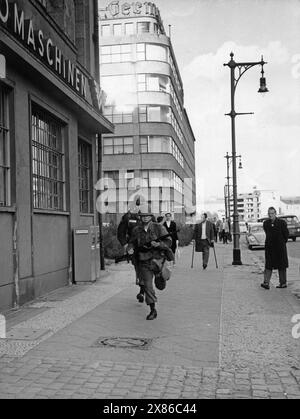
<point x="277" y="235"/>
<point x="128" y="223"/>
<point x="198" y="234"/>
<point x="173" y="231"/>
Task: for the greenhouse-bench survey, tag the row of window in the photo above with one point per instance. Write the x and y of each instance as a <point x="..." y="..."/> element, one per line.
<point x="148" y="144"/>
<point x="133" y="52"/>
<point x="147" y="113"/>
<point x="148" y="178"/>
<point x="139" y="52"/>
<point x="48" y="162"/>
<point x="122" y="88"/>
<point x="121" y="29"/>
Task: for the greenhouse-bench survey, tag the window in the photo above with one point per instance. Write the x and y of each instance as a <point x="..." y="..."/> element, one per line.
<point x="129" y="29"/>
<point x="153" y="82"/>
<point x="117" y="116"/>
<point x="151" y="113"/>
<point x="116" y="53"/>
<point x="161" y="144"/>
<point x="118" y="145"/>
<point x="48" y="161"/>
<point x="143" y="27"/>
<point x="4" y="149"/>
<point x="117" y="29"/>
<point x="85" y="175"/>
<point x="151" y="52"/>
<point x="105" y="30"/>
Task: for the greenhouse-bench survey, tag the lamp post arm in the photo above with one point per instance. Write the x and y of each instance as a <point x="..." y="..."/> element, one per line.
<point x="242" y="68"/>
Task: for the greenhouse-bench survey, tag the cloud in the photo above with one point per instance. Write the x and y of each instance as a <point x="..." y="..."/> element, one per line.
<point x="210" y="66"/>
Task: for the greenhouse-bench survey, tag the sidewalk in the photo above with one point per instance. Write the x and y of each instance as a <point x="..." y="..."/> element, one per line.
<point x="217" y="335"/>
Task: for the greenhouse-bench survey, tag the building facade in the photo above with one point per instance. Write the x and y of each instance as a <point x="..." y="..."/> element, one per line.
<point x="153" y="142"/>
<point x="254" y="205"/>
<point x="50" y="113"/>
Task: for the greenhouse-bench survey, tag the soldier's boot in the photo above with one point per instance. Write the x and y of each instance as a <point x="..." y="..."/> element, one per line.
<point x="140" y="296"/>
<point x="153" y="313"/>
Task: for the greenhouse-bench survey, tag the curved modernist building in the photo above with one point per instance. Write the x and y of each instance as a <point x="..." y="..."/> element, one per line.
<point x="153" y="143"/>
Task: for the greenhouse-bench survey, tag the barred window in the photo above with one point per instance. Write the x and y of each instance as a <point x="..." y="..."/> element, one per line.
<point x="4" y="149"/>
<point x="85" y="172"/>
<point x="48" y="161"/>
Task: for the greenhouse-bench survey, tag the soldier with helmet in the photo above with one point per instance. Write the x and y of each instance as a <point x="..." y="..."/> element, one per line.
<point x="128" y="222"/>
<point x="151" y="252"/>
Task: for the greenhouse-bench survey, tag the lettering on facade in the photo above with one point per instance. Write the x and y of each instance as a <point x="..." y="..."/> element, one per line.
<point x="98" y="95"/>
<point x="116" y="10"/>
<point x="33" y="38"/>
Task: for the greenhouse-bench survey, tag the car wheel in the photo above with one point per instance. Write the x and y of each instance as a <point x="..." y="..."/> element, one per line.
<point x="294" y="239"/>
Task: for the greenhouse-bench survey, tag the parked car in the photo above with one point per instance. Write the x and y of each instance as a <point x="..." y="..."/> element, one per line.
<point x="256" y="236"/>
<point x="293" y="225"/>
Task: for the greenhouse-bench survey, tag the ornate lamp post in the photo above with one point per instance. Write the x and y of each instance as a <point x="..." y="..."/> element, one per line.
<point x="242" y="68"/>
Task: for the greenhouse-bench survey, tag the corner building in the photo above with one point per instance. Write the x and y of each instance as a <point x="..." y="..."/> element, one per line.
<point x="50" y="113"/>
<point x="153" y="143"/>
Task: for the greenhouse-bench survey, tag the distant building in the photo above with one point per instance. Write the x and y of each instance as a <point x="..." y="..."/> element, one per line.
<point x="290" y="205"/>
<point x="254" y="205"/>
<point x="152" y="147"/>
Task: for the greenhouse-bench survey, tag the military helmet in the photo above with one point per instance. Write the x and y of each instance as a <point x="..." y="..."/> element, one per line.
<point x="144" y="210"/>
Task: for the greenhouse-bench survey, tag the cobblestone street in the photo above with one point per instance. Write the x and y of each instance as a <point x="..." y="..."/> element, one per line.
<point x="217" y="335"/>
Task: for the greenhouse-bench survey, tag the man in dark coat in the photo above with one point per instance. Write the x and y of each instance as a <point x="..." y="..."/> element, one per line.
<point x="276" y="257"/>
<point x="171" y="228"/>
<point x="204" y="238"/>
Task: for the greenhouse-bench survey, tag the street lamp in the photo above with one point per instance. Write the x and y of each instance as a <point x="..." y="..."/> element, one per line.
<point x="227" y="203"/>
<point x="242" y="68"/>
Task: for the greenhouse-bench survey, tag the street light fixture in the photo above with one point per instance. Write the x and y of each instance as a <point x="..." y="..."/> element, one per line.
<point x="242" y="68"/>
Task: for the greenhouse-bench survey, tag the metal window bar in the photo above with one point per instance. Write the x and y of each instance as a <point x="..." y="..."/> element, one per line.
<point x="47" y="162"/>
<point x="4" y="150"/>
<point x="85" y="177"/>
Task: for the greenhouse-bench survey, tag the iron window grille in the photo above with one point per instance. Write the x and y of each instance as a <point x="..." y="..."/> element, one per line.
<point x="85" y="175"/>
<point x="48" y="161"/>
<point x="5" y="170"/>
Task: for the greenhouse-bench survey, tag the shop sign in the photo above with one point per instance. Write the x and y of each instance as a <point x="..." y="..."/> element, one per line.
<point x="116" y="10"/>
<point x="33" y="38"/>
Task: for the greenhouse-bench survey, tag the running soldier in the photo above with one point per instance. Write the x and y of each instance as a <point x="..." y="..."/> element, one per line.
<point x="129" y="221"/>
<point x="150" y="251"/>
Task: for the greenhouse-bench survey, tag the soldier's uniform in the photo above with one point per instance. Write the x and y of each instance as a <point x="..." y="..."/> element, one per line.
<point x="147" y="255"/>
<point x="128" y="222"/>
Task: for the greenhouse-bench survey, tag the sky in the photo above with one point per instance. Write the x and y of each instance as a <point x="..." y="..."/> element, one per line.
<point x="203" y="34"/>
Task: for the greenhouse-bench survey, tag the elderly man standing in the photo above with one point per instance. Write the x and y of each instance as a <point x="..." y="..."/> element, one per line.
<point x="204" y="238"/>
<point x="277" y="235"/>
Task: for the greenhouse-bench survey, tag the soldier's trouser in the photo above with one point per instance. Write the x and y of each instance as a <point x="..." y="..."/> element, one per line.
<point x="268" y="275"/>
<point x="146" y="274"/>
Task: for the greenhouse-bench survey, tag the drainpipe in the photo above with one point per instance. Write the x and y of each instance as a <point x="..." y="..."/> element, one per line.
<point x="16" y="298"/>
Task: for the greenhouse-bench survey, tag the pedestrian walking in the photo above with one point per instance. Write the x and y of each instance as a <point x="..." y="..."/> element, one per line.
<point x="216" y="228"/>
<point x="171" y="228"/>
<point x="226" y="234"/>
<point x="151" y="254"/>
<point x="276" y="256"/>
<point x="204" y="238"/>
<point x="129" y="221"/>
